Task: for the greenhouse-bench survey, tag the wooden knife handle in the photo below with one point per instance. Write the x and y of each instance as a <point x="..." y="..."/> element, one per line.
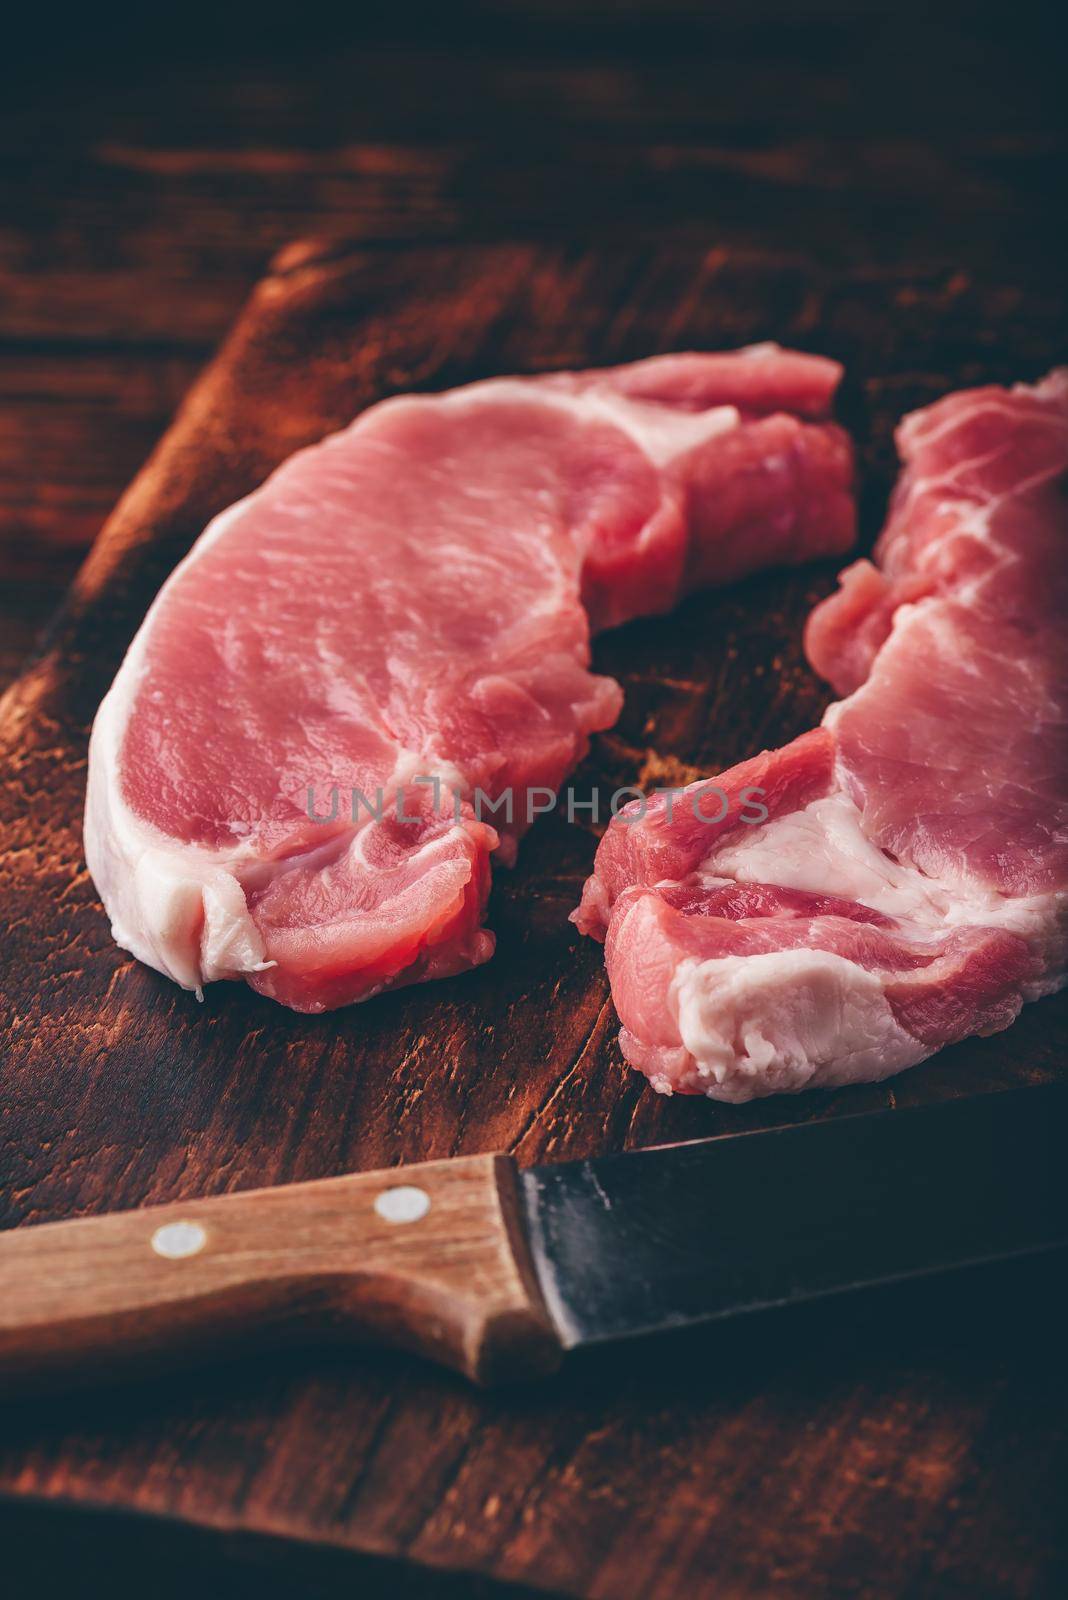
<point x="431" y="1257"/>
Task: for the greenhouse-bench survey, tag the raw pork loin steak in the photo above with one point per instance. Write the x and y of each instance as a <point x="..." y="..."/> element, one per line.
<point x="907" y="887"/>
<point x="413" y="599"/>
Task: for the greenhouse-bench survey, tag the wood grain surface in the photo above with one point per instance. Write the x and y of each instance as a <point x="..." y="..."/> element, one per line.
<point x="118" y="1089"/>
<point x="532" y="203"/>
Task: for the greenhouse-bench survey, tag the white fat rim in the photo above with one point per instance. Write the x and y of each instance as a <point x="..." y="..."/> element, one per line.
<point x="784" y="1021"/>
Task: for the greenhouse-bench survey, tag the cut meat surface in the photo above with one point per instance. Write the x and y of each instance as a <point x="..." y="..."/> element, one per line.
<point x="906" y="884"/>
<point x="367" y="677"/>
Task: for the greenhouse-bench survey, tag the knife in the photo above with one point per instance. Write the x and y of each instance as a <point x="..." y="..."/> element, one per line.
<point x="499" y="1272"/>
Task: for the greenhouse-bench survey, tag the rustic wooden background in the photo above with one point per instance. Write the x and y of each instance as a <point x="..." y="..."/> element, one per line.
<point x="507" y="188"/>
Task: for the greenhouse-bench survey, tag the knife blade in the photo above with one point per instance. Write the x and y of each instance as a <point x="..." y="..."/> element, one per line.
<point x="501" y="1273"/>
<point x="680" y="1235"/>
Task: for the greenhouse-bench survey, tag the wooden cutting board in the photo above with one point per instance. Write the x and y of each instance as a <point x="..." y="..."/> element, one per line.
<point x="887" y="1469"/>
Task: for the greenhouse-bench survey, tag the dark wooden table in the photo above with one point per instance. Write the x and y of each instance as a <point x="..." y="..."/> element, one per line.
<point x="865" y="179"/>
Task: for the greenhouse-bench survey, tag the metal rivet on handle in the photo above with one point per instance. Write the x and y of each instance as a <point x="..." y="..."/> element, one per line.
<point x="405" y="1203"/>
<point x="177" y="1239"/>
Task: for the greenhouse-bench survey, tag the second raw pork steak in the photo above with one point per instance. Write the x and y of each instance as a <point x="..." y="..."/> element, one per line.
<point x="909" y="885"/>
<point x="411" y="600"/>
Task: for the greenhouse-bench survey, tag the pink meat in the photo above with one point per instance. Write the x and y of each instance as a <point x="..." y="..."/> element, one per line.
<point x="963" y="521"/>
<point x="305" y="762"/>
<point x="907" y="887"/>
